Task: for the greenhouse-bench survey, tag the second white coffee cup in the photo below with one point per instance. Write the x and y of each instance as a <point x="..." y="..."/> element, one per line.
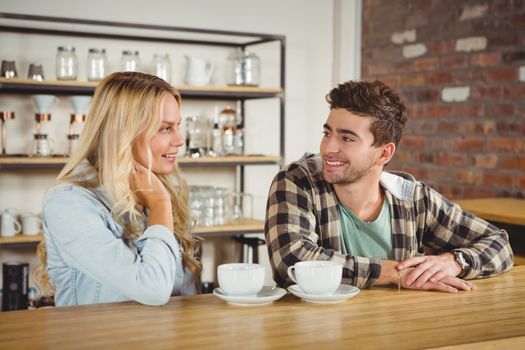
<point x="240" y="279"/>
<point x="316" y="277"/>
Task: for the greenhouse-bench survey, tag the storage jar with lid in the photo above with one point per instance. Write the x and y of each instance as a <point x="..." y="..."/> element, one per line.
<point x="130" y="61"/>
<point x="66" y="63"/>
<point x="96" y="64"/>
<point x="243" y="68"/>
<point x="162" y="66"/>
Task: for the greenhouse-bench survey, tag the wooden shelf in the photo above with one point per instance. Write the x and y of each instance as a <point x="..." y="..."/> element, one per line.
<point x="232" y="229"/>
<point x="64" y="87"/>
<point x="24" y="162"/>
<point x="21" y="239"/>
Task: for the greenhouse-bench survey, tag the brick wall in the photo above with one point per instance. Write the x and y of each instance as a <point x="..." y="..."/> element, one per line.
<point x="460" y="66"/>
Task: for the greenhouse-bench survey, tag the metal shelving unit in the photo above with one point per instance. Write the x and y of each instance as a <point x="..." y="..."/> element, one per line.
<point x="75" y="27"/>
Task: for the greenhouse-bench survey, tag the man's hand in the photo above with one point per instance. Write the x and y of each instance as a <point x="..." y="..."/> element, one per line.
<point x="433" y="272"/>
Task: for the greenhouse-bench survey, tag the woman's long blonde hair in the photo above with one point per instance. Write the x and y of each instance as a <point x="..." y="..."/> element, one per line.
<point x="126" y="104"/>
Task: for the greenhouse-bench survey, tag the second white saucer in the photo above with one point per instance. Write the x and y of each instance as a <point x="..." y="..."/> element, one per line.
<point x="266" y="296"/>
<point x="342" y="293"/>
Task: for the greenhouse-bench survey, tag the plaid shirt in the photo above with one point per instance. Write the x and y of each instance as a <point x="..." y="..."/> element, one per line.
<point x="302" y="223"/>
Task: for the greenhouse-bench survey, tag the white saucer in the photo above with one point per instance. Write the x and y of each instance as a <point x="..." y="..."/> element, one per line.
<point x="342" y="293"/>
<point x="266" y="296"/>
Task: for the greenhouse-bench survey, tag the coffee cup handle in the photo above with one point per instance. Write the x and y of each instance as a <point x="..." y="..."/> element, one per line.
<point x="291" y="273"/>
<point x="17" y="226"/>
<point x="209" y="67"/>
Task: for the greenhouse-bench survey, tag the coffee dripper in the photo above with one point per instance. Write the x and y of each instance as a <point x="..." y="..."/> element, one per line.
<point x="43" y="104"/>
<point x="80" y="106"/>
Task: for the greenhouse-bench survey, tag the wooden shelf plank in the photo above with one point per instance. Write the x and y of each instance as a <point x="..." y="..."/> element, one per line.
<point x="235" y="228"/>
<point x="20" y="85"/>
<point x="21" y="162"/>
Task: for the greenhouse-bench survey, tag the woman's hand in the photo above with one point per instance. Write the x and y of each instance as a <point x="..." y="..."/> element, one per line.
<point x="152" y="194"/>
<point x="434" y="271"/>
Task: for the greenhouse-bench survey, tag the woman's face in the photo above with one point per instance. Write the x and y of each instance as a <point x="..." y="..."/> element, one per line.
<point x="165" y="142"/>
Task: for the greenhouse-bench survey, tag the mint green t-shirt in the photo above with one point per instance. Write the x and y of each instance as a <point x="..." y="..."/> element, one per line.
<point x="367" y="239"/>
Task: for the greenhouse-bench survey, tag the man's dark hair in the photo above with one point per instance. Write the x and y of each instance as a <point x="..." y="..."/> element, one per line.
<point x="376" y="100"/>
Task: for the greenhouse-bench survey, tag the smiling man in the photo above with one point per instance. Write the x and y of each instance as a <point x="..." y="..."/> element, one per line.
<point x="383" y="227"/>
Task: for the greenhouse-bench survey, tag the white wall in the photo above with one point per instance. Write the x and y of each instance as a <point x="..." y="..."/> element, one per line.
<point x="310" y="53"/>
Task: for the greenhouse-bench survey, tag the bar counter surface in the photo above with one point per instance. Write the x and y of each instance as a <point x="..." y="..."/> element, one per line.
<point x="492" y="316"/>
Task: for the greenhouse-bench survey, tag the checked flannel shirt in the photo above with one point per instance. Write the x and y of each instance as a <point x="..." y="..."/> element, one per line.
<point x="302" y="223"/>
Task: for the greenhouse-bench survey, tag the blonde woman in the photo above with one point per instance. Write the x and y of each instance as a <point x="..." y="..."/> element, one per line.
<point x="115" y="225"/>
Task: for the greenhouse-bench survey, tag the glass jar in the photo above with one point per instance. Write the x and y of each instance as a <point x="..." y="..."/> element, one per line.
<point x="72" y="143"/>
<point x="162" y="66"/>
<point x="96" y="64"/>
<point x="243" y="68"/>
<point x="66" y="63"/>
<point x="227" y="120"/>
<point x="130" y="61"/>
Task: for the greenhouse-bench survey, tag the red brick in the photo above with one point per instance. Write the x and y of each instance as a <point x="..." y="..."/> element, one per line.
<point x="470" y="144"/>
<point x="511" y="128"/>
<point x="451" y="62"/>
<point x="492" y="92"/>
<point x="413" y="141"/>
<point x="501" y="75"/>
<point x="512" y="162"/>
<point x="413" y="80"/>
<point x="415" y="111"/>
<point x="486" y="127"/>
<point x="417" y="172"/>
<point x="441" y="48"/>
<point x="450" y="159"/>
<point x="440" y="174"/>
<point x="520" y="181"/>
<point x="507" y="144"/>
<point x="439" y="111"/>
<point x="506" y="39"/>
<point x="469" y="177"/>
<point x="423" y="64"/>
<point x="485" y="59"/>
<point x="392" y="81"/>
<point x="501" y="110"/>
<point x="401" y="67"/>
<point x="405" y="156"/>
<point x="514" y="92"/>
<point x="489" y="161"/>
<point x="441" y="78"/>
<point x="468" y="110"/>
<point x="479" y="192"/>
<point x="378" y="69"/>
<point x="518" y="21"/>
<point x="497" y="179"/>
<point x="450" y="191"/>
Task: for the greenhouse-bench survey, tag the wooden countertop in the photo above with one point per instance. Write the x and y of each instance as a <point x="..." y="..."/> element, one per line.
<point x="493" y="316"/>
<point x="505" y="210"/>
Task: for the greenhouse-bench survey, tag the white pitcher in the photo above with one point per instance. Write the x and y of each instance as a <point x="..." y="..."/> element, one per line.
<point x="10" y="226"/>
<point x="198" y="71"/>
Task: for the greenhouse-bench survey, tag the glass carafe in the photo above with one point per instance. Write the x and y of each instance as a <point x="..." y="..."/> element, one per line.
<point x="42" y="146"/>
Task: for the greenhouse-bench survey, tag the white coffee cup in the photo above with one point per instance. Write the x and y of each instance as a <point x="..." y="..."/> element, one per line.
<point x="240" y="279"/>
<point x="316" y="277"/>
<point x="9" y="225"/>
<point x="31" y="224"/>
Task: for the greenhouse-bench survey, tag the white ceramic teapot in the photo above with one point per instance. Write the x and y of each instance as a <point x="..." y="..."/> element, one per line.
<point x="198" y="71"/>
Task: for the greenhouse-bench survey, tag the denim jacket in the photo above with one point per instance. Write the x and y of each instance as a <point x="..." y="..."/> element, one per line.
<point x="89" y="262"/>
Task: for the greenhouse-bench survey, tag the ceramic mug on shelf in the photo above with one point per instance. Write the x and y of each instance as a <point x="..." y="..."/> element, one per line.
<point x="316" y="277"/>
<point x="31" y="224"/>
<point x="9" y="224"/>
